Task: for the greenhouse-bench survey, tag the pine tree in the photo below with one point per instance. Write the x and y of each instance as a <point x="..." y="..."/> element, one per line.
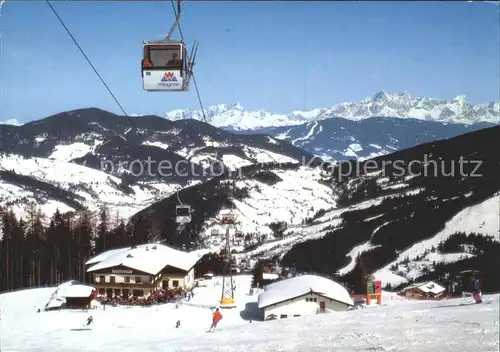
<point x="141" y="231"/>
<point x="83" y="243"/>
<point x="6" y="249"/>
<point x="34" y="248"/>
<point x="102" y="244"/>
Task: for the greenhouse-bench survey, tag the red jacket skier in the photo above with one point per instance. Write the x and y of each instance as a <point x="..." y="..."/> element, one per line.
<point x="216" y="317"/>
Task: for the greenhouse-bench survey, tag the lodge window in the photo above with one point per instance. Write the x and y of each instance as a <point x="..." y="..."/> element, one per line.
<point x="126" y="279"/>
<point x="102" y="291"/>
<point x="118" y="292"/>
<point x="138" y="280"/>
<point x="175" y="283"/>
<point x="283" y="316"/>
<point x="296" y="315"/>
<point x="138" y="293"/>
<point x="311" y="300"/>
<point x="112" y="279"/>
<point x="101" y="279"/>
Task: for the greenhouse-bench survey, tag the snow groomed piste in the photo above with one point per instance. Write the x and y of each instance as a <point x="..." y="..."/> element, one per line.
<point x="445" y="325"/>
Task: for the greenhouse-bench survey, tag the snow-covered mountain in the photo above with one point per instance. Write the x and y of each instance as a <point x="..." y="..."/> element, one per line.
<point x="281" y="199"/>
<point x="90" y="157"/>
<point x="337" y="139"/>
<point x="401" y="105"/>
<point x="400" y="224"/>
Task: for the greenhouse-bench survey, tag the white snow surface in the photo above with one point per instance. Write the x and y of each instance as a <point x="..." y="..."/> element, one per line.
<point x="402" y="105"/>
<point x="148" y="258"/>
<point x="397" y="325"/>
<point x="96" y="188"/>
<point x="13" y="122"/>
<point x="57" y="299"/>
<point x="296" y="197"/>
<point x="300" y="285"/>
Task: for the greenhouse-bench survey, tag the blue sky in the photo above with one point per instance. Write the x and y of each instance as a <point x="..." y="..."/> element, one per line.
<point x="276" y="56"/>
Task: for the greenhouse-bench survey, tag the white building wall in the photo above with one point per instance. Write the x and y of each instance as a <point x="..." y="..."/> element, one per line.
<point x="300" y="306"/>
<point x="189" y="279"/>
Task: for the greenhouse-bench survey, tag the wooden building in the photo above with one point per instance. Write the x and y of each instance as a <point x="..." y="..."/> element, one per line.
<point x="424" y="290"/>
<point x="140" y="270"/>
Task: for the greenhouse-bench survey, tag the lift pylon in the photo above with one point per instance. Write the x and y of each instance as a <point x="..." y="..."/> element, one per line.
<point x="227" y="297"/>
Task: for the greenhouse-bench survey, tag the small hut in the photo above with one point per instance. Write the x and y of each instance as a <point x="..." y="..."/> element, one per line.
<point x="79" y="296"/>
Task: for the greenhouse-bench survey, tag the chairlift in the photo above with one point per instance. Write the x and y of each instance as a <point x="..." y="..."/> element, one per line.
<point x="183" y="214"/>
<point x="214" y="233"/>
<point x="238" y="234"/>
<point x="166" y="65"/>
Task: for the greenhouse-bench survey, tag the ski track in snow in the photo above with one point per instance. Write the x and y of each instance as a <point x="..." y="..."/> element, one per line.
<point x="398" y="325"/>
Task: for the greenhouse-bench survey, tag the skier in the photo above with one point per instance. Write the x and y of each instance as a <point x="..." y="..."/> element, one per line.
<point x="477" y="290"/>
<point x="90" y="320"/>
<point x="216" y="317"/>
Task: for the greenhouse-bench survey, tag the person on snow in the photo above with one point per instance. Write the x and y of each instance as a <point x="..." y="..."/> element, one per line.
<point x="477" y="290"/>
<point x="90" y="320"/>
<point x="216" y="317"/>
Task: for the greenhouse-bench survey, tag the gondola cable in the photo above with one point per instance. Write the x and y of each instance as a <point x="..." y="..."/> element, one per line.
<point x="193" y="77"/>
<point x="182" y="207"/>
<point x="226" y="218"/>
<point x="54" y="11"/>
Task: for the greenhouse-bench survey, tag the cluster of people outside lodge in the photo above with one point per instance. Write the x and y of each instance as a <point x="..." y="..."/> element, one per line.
<point x="159" y="296"/>
<point x="174" y="61"/>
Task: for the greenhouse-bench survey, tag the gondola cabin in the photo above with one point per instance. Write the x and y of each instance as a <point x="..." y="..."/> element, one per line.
<point x="183" y="214"/>
<point x="164" y="66"/>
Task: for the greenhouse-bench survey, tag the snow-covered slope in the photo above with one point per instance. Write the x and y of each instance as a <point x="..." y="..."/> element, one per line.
<point x="293" y="199"/>
<point x="408" y="326"/>
<point x="402" y="105"/>
<point x="88" y="187"/>
<point x="482" y="218"/>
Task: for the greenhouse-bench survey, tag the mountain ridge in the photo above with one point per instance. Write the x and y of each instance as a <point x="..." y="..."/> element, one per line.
<point x="399" y="105"/>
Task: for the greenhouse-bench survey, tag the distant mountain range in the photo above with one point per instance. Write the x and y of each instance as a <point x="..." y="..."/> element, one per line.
<point x="400" y="105"/>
